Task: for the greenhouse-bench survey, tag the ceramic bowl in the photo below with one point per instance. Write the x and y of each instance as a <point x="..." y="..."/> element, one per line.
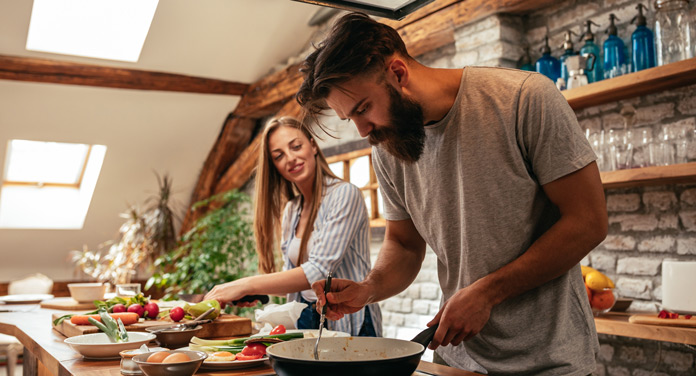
<point x="87" y="292"/>
<point x="98" y="345"/>
<point x="171" y="369"/>
<point x="174" y="338"/>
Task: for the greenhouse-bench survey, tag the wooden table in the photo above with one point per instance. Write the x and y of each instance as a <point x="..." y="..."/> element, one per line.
<point x="45" y="352"/>
<point x="616" y="323"/>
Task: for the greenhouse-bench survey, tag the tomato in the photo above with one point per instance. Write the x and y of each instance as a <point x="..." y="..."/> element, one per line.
<point x="254" y="349"/>
<point x="241" y="356"/>
<point x="280" y="329"/>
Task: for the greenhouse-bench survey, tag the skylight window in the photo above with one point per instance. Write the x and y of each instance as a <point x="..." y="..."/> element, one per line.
<point x="48" y="185"/>
<point x="104" y="29"/>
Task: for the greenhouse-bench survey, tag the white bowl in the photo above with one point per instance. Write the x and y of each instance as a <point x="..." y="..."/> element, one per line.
<point x="87" y="292"/>
<point x="98" y="345"/>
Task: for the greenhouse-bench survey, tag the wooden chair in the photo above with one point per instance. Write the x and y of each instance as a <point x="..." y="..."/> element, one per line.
<point x="33" y="284"/>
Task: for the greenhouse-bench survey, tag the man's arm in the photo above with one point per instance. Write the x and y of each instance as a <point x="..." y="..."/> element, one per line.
<point x="397" y="265"/>
<point x="583" y="224"/>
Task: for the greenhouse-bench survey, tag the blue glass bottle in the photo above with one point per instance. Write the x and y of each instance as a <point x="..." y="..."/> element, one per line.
<point x="614" y="56"/>
<point x="548" y="65"/>
<point x="642" y="43"/>
<point x="567" y="51"/>
<point x="525" y="61"/>
<point x="594" y="73"/>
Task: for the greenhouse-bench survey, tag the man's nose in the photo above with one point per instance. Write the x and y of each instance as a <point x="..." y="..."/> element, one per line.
<point x="364" y="127"/>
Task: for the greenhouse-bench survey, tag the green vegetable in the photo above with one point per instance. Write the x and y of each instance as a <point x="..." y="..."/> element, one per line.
<point x="114" y="330"/>
<point x="240" y="341"/>
<point x="139" y="299"/>
<point x="212" y="349"/>
<point x="200" y="308"/>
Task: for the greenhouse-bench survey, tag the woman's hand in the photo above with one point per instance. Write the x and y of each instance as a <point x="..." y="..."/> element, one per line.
<point x="231" y="291"/>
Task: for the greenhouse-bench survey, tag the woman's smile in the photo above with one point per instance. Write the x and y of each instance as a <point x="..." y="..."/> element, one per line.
<point x="296" y="168"/>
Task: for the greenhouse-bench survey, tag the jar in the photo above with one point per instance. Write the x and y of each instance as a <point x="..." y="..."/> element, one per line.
<point x="128" y="366"/>
<point x="672" y="31"/>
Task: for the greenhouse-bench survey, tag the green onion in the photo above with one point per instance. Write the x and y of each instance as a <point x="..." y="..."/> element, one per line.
<point x="240" y="341"/>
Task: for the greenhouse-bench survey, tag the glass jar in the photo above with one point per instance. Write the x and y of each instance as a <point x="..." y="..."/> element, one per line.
<point x="672" y="31"/>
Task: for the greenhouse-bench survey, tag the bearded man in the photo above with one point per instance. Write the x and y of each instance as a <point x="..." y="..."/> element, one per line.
<point x="488" y="167"/>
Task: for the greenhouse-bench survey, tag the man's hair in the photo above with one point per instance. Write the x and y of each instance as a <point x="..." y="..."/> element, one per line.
<point x="356" y="45"/>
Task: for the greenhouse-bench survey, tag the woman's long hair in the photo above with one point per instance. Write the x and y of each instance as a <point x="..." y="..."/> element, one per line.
<point x="273" y="192"/>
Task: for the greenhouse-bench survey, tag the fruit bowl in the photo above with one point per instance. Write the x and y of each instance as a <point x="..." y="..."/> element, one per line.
<point x="602" y="301"/>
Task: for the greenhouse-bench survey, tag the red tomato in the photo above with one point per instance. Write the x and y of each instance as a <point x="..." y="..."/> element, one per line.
<point x="280" y="329"/>
<point x="254" y="349"/>
<point x="241" y="356"/>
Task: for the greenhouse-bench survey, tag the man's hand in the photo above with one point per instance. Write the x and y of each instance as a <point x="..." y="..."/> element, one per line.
<point x="345" y="297"/>
<point x="461" y="317"/>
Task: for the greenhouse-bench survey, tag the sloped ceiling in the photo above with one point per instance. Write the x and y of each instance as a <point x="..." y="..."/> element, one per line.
<point x="144" y="131"/>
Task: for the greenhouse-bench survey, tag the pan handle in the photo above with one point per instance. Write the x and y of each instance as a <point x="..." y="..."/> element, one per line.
<point x="426" y="336"/>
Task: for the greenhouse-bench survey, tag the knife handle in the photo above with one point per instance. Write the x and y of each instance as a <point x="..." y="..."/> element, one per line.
<point x="251" y="298"/>
<point x="327" y="289"/>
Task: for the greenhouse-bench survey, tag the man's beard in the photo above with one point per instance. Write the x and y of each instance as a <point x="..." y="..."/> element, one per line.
<point x="404" y="136"/>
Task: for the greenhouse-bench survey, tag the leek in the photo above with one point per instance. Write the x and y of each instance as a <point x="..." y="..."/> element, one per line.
<point x="240" y="341"/>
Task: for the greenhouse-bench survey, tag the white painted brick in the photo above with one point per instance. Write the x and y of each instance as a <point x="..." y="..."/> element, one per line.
<point x="632" y="354"/>
<point x="386" y="315"/>
<point x="603" y="261"/>
<point x="572" y="16"/>
<point x="430" y="291"/>
<point x="397" y="319"/>
<point x="600" y="370"/>
<point x="467" y="58"/>
<point x="634" y="288"/>
<point x="654" y="114"/>
<point x="623" y="202"/>
<point x="687" y="105"/>
<point x="417" y="321"/>
<point x="536" y="35"/>
<point x="635" y="222"/>
<point x="434" y="309"/>
<point x="618" y="371"/>
<point x="512" y="34"/>
<point x="421" y="307"/>
<point x="660" y="200"/>
<point x="619" y="243"/>
<point x="392" y="304"/>
<point x="638" y="266"/>
<point x="609" y="107"/>
<point x="679" y="361"/>
<point x="430" y="261"/>
<point x="612" y="120"/>
<point x="427" y="275"/>
<point x="407" y="333"/>
<point x="389" y="331"/>
<point x="413" y="291"/>
<point x="668" y="221"/>
<point x="688" y="196"/>
<point x="476" y="40"/>
<point x="657" y="244"/>
<point x="593" y="123"/>
<point x="657" y="293"/>
<point x="406" y="305"/>
<point x="688" y="220"/>
<point x="643" y="306"/>
<point x="606" y="352"/>
<point x="686" y="246"/>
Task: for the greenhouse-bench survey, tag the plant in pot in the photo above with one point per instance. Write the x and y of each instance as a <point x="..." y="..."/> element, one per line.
<point x="218" y="248"/>
<point x="142" y="238"/>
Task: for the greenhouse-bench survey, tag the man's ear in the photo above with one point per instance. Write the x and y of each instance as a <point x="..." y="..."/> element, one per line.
<point x="399" y="71"/>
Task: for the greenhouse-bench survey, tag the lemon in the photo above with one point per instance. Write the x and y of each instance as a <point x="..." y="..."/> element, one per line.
<point x="597" y="281"/>
<point x="586" y="270"/>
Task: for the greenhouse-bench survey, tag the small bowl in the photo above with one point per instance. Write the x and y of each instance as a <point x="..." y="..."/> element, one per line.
<point x="171" y="369"/>
<point x="98" y="345"/>
<point x="87" y="292"/>
<point x="128" y="366"/>
<point x="174" y="338"/>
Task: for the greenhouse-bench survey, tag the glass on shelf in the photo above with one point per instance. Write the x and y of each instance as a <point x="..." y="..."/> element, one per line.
<point x="620" y="147"/>
<point x="672" y="31"/>
<point x="643" y="153"/>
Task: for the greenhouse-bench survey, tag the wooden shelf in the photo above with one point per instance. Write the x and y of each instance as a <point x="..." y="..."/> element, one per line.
<point x="658" y="175"/>
<point x="617" y="324"/>
<point x="630" y="85"/>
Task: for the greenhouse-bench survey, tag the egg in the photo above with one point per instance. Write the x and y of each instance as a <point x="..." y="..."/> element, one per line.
<point x="157" y="357"/>
<point x="176" y="358"/>
<point x="221" y="356"/>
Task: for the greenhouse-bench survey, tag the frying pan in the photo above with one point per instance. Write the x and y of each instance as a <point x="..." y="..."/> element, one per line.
<point x="350" y="356"/>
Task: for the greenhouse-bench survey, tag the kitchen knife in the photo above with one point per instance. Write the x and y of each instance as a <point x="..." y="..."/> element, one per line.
<point x="250" y="298"/>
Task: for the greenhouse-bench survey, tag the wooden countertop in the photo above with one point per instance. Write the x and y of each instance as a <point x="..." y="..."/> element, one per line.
<point x="34" y="330"/>
<point x="616" y="323"/>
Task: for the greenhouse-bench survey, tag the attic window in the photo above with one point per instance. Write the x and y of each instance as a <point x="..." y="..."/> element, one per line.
<point x="104" y="29"/>
<point x="48" y="185"/>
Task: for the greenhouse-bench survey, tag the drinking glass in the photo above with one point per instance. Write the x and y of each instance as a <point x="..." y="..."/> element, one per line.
<point x="620" y="145"/>
<point x="664" y="148"/>
<point x="643" y="153"/>
<point x="596" y="140"/>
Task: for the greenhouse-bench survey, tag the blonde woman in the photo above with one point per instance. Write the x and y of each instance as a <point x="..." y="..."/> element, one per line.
<point x="324" y="228"/>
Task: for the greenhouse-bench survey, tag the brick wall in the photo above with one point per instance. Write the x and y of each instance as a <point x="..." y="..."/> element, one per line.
<point x="647" y="224"/>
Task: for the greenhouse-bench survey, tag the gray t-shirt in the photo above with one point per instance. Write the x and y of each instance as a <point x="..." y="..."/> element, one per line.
<point x="475" y="196"/>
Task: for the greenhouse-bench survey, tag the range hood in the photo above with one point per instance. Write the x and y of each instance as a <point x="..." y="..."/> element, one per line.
<point x="393" y="9"/>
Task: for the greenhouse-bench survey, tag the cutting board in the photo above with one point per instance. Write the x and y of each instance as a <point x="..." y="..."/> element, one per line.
<point x="652" y="319"/>
<point x="224" y="326"/>
<point x="66" y="304"/>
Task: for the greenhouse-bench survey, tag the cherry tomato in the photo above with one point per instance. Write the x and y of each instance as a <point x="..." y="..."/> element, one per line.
<point x="241" y="356"/>
<point x="254" y="349"/>
<point x="280" y="329"/>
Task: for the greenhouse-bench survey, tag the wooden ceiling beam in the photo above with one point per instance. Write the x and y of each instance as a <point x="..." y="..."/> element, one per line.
<point x="62" y="72"/>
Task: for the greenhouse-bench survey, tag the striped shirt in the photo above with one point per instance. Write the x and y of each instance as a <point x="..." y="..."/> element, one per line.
<point x="339" y="243"/>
